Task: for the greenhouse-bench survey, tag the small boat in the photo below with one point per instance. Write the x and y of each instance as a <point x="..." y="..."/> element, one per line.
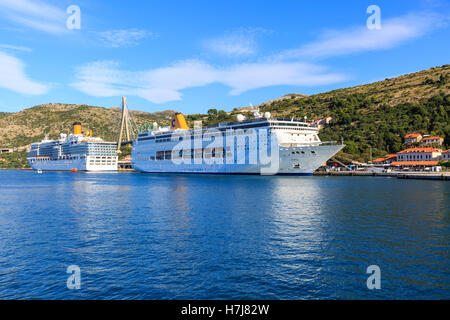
<point x="39" y="171"/>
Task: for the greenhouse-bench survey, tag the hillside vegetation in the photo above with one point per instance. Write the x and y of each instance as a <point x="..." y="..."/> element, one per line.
<point x="31" y="125"/>
<point x="378" y="115"/>
<point x="369" y="117"/>
<point x="373" y="117"/>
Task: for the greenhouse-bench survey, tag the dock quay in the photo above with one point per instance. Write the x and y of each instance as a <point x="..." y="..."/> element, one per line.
<point x="399" y="175"/>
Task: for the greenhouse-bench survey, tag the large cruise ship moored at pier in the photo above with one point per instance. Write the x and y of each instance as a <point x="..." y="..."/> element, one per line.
<point x="295" y="144"/>
<point x="76" y="152"/>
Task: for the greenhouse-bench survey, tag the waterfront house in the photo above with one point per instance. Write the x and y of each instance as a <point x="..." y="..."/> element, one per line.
<point x="419" y="154"/>
<point x="446" y="155"/>
<point x="413" y="138"/>
<point x="418" y="158"/>
<point x="432" y="141"/>
<point x="125" y="163"/>
<point x="387" y="159"/>
<point x="378" y="161"/>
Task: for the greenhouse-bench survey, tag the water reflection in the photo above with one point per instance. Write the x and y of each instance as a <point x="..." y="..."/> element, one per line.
<point x="203" y="237"/>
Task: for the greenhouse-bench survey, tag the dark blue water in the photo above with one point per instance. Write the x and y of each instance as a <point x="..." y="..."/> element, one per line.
<point x="142" y="236"/>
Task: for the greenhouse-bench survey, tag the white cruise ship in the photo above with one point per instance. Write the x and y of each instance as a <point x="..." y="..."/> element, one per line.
<point x="76" y="152"/>
<point x="262" y="145"/>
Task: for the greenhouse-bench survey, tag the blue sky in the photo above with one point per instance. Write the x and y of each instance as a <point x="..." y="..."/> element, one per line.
<point x="194" y="55"/>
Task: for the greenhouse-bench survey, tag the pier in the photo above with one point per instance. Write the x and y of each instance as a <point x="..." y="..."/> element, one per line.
<point x="399" y="175"/>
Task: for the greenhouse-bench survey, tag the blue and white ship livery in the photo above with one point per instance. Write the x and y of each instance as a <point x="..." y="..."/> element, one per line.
<point x="233" y="148"/>
<point x="76" y="152"/>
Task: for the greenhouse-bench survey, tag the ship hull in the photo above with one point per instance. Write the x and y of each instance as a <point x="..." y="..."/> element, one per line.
<point x="292" y="161"/>
<point x="69" y="165"/>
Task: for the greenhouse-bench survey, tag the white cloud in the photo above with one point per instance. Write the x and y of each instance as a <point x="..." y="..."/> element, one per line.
<point x="246" y="77"/>
<point x="14" y="78"/>
<point x="123" y="37"/>
<point x="393" y="32"/>
<point x="12" y="47"/>
<point x="34" y="14"/>
<point x="238" y="43"/>
<point x="106" y="79"/>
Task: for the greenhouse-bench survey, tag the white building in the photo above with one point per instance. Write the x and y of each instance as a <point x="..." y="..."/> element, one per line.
<point x="418" y="158"/>
<point x="413" y="138"/>
<point x="432" y="140"/>
<point x="419" y="154"/>
<point x="446" y="155"/>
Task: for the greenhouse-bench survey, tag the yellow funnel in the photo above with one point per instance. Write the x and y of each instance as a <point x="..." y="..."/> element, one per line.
<point x="77" y="128"/>
<point x="178" y="122"/>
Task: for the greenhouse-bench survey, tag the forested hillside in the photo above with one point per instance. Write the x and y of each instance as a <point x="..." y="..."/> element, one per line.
<point x="373" y="117"/>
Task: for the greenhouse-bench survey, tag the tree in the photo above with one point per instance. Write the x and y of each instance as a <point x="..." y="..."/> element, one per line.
<point x="212" y="112"/>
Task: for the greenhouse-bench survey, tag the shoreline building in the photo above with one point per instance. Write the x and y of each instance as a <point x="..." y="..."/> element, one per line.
<point x="446" y="155"/>
<point x="387" y="159"/>
<point x="418" y="158"/>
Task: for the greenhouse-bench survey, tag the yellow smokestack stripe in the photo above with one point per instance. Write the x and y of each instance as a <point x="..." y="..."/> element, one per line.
<point x="178" y="122"/>
<point x="77" y="128"/>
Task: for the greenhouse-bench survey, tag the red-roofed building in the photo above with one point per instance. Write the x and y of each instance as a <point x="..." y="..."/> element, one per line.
<point x="321" y="123"/>
<point x="413" y="138"/>
<point x="419" y="154"/>
<point x="446" y="155"/>
<point x="386" y="159"/>
<point x="432" y="140"/>
<point x="125" y="163"/>
<point x="378" y="161"/>
<point x="390" y="158"/>
<point x="414" y="163"/>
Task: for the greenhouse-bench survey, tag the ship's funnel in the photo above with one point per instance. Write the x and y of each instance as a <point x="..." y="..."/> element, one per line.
<point x="77" y="127"/>
<point x="178" y="122"/>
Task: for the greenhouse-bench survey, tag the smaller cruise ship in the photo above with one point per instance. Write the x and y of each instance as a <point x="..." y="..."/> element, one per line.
<point x="76" y="152"/>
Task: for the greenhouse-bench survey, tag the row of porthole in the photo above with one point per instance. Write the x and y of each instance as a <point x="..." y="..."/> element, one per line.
<point x="303" y="152"/>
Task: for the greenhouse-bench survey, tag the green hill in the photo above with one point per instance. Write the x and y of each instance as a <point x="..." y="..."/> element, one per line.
<point x="31" y="125"/>
<point x="22" y="128"/>
<point x="378" y="115"/>
<point x="373" y="117"/>
<point x="369" y="117"/>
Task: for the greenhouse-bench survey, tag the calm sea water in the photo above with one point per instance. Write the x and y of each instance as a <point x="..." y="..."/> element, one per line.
<point x="143" y="236"/>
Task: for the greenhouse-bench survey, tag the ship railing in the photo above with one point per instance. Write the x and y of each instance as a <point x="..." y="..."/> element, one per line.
<point x="328" y="142"/>
<point x="224" y="124"/>
<point x="288" y="120"/>
<point x="308" y="144"/>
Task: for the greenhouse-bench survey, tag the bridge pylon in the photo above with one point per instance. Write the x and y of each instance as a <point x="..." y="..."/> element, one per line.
<point x="126" y="124"/>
